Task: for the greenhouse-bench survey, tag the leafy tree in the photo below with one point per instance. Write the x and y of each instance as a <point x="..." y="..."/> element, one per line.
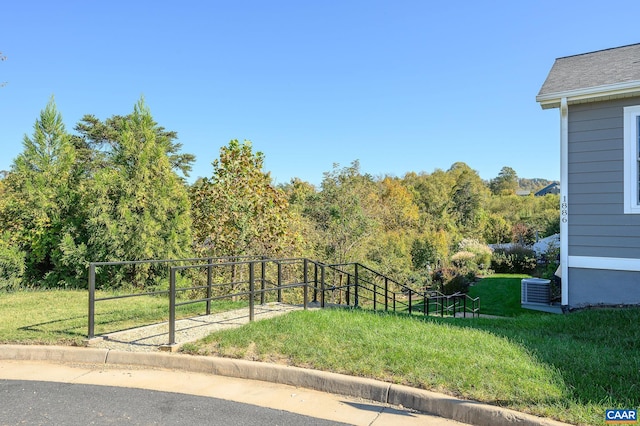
<point x="432" y="194"/>
<point x="342" y="213"/>
<point x="468" y="197"/>
<point x="505" y="183"/>
<point x="299" y="193"/>
<point x="238" y="211"/>
<point x="497" y="230"/>
<point x="523" y="234"/>
<point x="138" y="206"/>
<point x="397" y="210"/>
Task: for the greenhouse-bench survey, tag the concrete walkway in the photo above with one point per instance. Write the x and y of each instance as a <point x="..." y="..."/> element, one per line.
<point x="210" y="375"/>
<point x="156" y="336"/>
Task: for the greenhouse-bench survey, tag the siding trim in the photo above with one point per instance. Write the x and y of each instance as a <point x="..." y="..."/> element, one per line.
<point x="631" y="202"/>
<point x="608" y="91"/>
<point x="606" y="263"/>
<point x="564" y="200"/>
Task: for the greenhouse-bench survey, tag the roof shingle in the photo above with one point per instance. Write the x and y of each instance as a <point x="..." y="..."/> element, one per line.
<point x="594" y="69"/>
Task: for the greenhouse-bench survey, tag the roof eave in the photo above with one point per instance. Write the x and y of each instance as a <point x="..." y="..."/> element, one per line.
<point x="590" y="94"/>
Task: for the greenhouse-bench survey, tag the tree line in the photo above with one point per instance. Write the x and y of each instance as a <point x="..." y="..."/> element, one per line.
<point x="116" y="190"/>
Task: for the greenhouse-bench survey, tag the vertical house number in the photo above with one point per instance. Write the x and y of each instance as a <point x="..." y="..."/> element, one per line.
<point x="564" y="210"/>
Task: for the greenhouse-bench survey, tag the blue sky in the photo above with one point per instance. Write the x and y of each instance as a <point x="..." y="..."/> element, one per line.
<point x="398" y="85"/>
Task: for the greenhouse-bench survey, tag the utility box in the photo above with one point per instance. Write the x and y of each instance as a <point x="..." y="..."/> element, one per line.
<point x="536" y="290"/>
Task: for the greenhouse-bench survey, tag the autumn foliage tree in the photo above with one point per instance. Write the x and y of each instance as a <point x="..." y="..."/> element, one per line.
<point x="238" y="211"/>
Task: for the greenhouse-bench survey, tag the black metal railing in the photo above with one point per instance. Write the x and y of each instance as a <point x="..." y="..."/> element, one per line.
<point x="255" y="279"/>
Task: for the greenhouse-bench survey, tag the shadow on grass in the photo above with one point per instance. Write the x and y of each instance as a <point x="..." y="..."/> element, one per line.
<point x="67" y="327"/>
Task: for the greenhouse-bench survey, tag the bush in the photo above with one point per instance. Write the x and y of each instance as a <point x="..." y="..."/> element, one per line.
<point x="12" y="265"/>
<point x="451" y="280"/>
<point x="481" y="253"/>
<point x="514" y="260"/>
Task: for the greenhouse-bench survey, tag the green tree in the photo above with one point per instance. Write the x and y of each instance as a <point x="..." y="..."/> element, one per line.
<point x="497" y="230"/>
<point x="468" y="197"/>
<point x="505" y="183"/>
<point x="298" y="194"/>
<point x="238" y="211"/>
<point x="432" y="194"/>
<point x="342" y="214"/>
<point x="99" y="143"/>
<point x="138" y="205"/>
<point x="40" y="199"/>
<point x="396" y="207"/>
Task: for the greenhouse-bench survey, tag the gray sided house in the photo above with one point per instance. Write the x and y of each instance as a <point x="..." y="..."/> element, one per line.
<point x="598" y="96"/>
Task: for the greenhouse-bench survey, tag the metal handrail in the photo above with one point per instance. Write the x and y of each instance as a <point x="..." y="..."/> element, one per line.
<point x="366" y="286"/>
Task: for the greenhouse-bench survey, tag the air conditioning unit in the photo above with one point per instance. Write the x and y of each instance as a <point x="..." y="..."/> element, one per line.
<point x="536" y="290"/>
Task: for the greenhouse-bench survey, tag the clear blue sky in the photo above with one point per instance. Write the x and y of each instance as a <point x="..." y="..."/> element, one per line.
<point x="399" y="85"/>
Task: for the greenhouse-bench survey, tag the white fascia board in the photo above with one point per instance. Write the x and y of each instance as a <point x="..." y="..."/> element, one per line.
<point x="605" y="263"/>
<point x="552" y="100"/>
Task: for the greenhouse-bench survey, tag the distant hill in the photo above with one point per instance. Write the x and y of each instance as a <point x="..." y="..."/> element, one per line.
<point x="534" y="184"/>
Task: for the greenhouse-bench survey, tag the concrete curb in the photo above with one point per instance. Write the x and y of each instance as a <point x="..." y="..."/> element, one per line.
<point x="416" y="399"/>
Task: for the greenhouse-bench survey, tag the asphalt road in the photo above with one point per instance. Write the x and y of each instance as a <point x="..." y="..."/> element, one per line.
<point x="48" y="403"/>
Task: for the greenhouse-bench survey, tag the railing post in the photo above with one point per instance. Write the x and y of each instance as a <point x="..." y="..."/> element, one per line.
<point x="251" y="291"/>
<point x="428" y="302"/>
<point x="357" y="284"/>
<point x="322" y="286"/>
<point x="386" y="293"/>
<point x="92" y="300"/>
<point x="441" y="306"/>
<point x="348" y="298"/>
<point x="410" y="303"/>
<point x="263" y="268"/>
<point x="172" y="307"/>
<point x="394" y="301"/>
<point x="280" y="282"/>
<point x="305" y="273"/>
<point x="375" y="293"/>
<point x="424" y="303"/>
<point x="209" y="283"/>
<point x="315" y="282"/>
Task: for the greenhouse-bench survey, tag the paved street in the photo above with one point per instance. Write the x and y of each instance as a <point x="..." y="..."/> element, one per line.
<point x="49" y="393"/>
<point x="50" y="403"/>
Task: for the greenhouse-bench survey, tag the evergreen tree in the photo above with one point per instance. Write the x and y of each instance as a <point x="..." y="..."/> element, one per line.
<point x="138" y="206"/>
<point x="40" y="200"/>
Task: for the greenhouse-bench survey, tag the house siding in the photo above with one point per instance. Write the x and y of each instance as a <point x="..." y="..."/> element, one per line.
<point x="595" y="184"/>
<point x="593" y="287"/>
<point x="598" y="226"/>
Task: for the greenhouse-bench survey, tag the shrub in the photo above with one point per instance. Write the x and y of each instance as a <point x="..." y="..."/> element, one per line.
<point x="12" y="265"/>
<point x="481" y="253"/>
<point x="515" y="260"/>
<point x="451" y="280"/>
<point x="464" y="261"/>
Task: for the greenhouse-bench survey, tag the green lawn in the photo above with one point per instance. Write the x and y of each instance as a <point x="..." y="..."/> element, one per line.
<point x="569" y="367"/>
<point x="60" y="317"/>
<point x="499" y="295"/>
